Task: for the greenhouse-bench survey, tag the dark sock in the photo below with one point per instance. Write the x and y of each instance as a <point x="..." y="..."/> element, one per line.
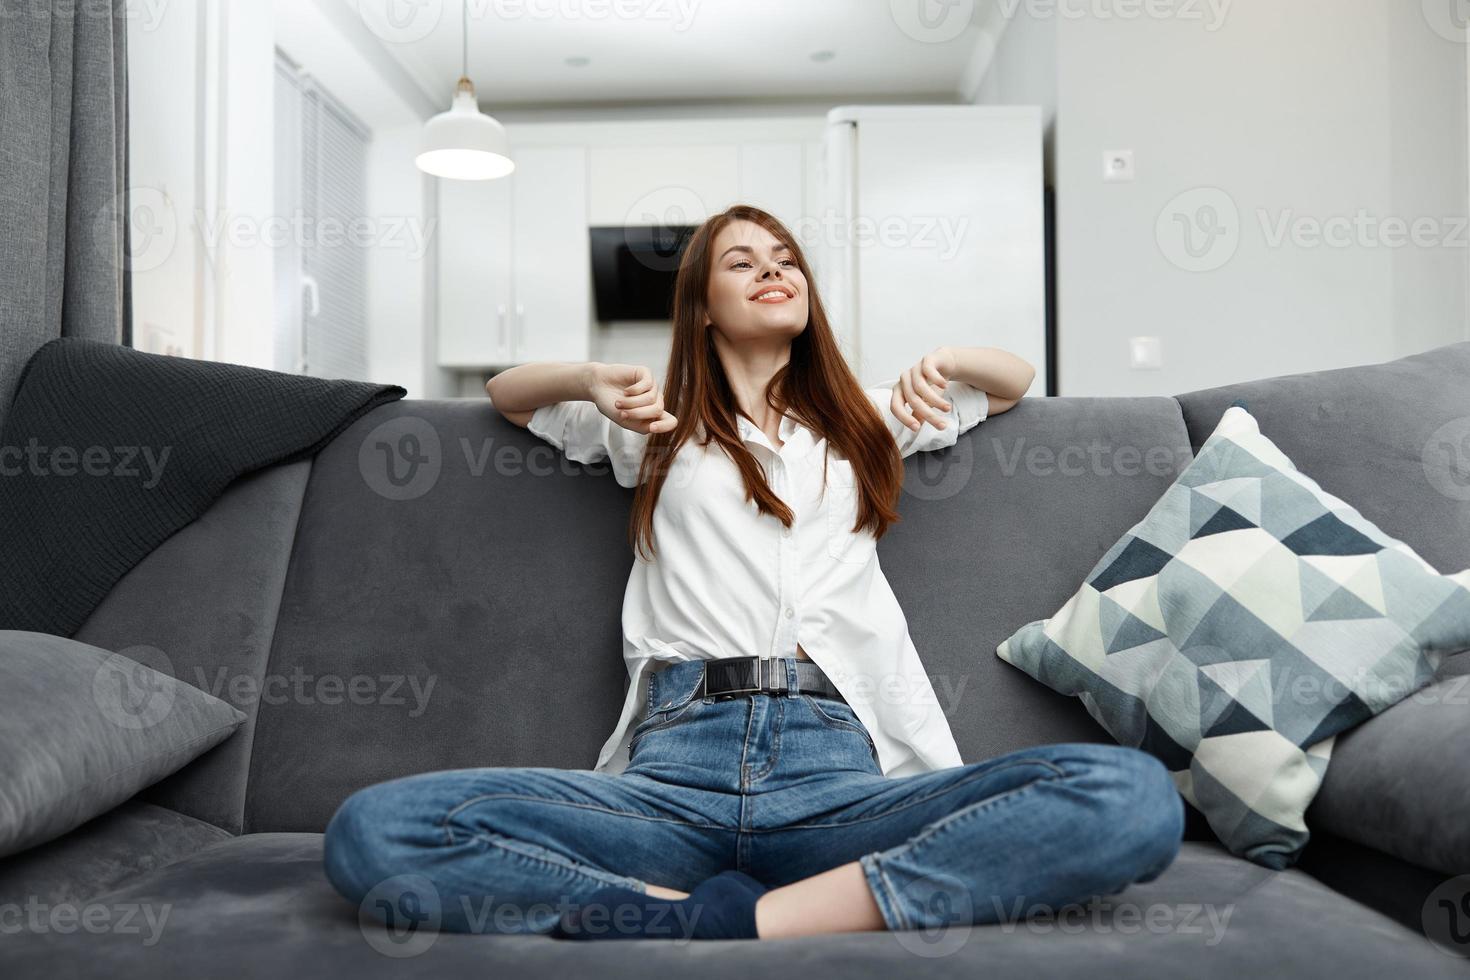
<point x="722" y="907"/>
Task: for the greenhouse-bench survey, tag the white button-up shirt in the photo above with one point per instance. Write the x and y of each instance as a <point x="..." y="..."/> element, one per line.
<point x="728" y="581"/>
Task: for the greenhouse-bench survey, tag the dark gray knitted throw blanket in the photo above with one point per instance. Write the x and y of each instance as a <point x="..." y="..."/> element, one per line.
<point x="106" y="452"/>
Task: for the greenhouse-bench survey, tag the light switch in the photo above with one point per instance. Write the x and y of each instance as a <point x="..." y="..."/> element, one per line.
<point x="1145" y="353"/>
<point x="1118" y="166"/>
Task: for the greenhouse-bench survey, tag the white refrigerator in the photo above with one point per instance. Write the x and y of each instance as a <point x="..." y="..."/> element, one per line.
<point x="933" y="232"/>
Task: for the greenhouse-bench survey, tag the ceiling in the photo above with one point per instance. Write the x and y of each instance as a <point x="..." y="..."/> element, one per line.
<point x="652" y="51"/>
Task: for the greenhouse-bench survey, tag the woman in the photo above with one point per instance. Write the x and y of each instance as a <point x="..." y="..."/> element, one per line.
<point x="791" y="766"/>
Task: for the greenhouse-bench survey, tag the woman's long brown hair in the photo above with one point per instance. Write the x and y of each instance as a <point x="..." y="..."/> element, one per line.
<point x="816" y="387"/>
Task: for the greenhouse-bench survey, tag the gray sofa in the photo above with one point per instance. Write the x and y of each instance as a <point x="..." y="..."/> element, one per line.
<point x="372" y="626"/>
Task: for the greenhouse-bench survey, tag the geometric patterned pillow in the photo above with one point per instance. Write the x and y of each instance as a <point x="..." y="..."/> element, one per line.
<point x="1249" y="618"/>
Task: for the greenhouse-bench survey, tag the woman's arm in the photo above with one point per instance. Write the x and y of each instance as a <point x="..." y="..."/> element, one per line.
<point x="590" y="411"/>
<point x="953" y="389"/>
<point x="1000" y="374"/>
<point x="517" y="392"/>
<point x="623" y="393"/>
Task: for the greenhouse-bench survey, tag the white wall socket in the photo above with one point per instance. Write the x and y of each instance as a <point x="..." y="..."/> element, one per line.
<point x="1145" y="353"/>
<point x="1118" y="166"/>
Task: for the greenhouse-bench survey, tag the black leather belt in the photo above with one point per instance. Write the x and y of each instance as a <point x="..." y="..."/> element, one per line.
<point x="730" y="677"/>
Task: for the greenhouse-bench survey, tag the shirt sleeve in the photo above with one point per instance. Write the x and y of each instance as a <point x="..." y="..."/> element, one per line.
<point x="968" y="408"/>
<point x="585" y="435"/>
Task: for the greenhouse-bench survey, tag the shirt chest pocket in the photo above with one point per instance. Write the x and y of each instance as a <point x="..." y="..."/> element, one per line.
<point x="842" y="509"/>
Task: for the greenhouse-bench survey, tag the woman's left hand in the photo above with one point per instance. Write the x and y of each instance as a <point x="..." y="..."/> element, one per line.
<point x="918" y="395"/>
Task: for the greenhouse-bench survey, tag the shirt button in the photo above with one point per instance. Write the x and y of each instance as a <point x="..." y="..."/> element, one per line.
<point x="790" y="612"/>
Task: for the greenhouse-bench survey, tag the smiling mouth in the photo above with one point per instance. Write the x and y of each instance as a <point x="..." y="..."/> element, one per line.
<point x="773" y="296"/>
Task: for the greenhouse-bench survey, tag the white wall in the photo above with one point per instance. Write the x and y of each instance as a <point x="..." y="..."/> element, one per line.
<point x="164" y="179"/>
<point x="1023" y="71"/>
<point x="1299" y="112"/>
<point x="241" y="161"/>
<point x="401" y="342"/>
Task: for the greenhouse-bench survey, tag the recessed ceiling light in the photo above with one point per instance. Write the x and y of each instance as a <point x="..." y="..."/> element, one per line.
<point x="578" y="61"/>
<point x="823" y="56"/>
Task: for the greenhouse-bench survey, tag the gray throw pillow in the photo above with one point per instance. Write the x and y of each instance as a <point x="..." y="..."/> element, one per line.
<point x="83" y="729"/>
<point x="1237" y="629"/>
<point x="1398" y="782"/>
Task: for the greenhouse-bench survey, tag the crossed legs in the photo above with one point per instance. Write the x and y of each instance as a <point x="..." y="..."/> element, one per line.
<point x="508" y="849"/>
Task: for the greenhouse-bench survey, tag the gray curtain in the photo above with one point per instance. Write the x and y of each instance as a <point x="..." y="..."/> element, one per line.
<point x="63" y="177"/>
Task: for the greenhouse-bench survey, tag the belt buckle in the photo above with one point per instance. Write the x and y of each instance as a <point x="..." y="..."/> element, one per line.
<point x="704" y="693"/>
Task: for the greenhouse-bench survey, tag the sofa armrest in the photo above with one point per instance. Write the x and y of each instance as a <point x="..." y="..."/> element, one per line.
<point x="1398" y="782"/>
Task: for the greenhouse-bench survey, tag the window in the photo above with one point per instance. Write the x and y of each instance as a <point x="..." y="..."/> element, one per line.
<point x="321" y="269"/>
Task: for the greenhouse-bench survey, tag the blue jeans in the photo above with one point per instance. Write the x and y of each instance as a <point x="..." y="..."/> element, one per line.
<point x="781" y="787"/>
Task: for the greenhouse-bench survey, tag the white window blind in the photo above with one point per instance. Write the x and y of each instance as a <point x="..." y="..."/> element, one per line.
<point x="321" y="274"/>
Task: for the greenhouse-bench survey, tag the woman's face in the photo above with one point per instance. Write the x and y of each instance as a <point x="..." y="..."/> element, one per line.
<point x="756" y="290"/>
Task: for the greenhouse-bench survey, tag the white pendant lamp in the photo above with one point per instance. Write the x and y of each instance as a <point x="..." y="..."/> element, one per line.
<point x="464" y="143"/>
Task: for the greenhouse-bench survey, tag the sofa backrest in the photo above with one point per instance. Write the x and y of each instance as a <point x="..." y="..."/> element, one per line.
<point x="204" y="605"/>
<point x="1391" y="439"/>
<point x="502" y="582"/>
<point x="464" y="607"/>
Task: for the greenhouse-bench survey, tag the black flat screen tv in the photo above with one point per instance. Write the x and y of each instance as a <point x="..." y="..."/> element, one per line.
<point x="633" y="270"/>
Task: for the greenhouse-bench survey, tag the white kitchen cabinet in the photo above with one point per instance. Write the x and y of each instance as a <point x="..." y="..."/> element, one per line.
<point x="773" y="178"/>
<point x="668" y="184"/>
<point x="514" y="267"/>
<point x="474" y="272"/>
<point x="514" y="274"/>
<point x="551" y="311"/>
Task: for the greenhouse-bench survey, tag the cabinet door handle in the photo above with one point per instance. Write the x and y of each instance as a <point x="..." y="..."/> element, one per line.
<point x="519" y="330"/>
<point x="500" y="319"/>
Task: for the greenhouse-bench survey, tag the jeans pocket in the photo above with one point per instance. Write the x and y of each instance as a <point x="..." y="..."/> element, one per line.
<point x="839" y="715"/>
<point x="663" y="718"/>
<point x="843" y="497"/>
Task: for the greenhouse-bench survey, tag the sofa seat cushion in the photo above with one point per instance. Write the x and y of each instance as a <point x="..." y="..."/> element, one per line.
<point x="260" y="904"/>
<point x="132" y="839"/>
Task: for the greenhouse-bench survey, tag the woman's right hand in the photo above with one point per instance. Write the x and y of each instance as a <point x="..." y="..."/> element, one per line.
<point x="626" y="394"/>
